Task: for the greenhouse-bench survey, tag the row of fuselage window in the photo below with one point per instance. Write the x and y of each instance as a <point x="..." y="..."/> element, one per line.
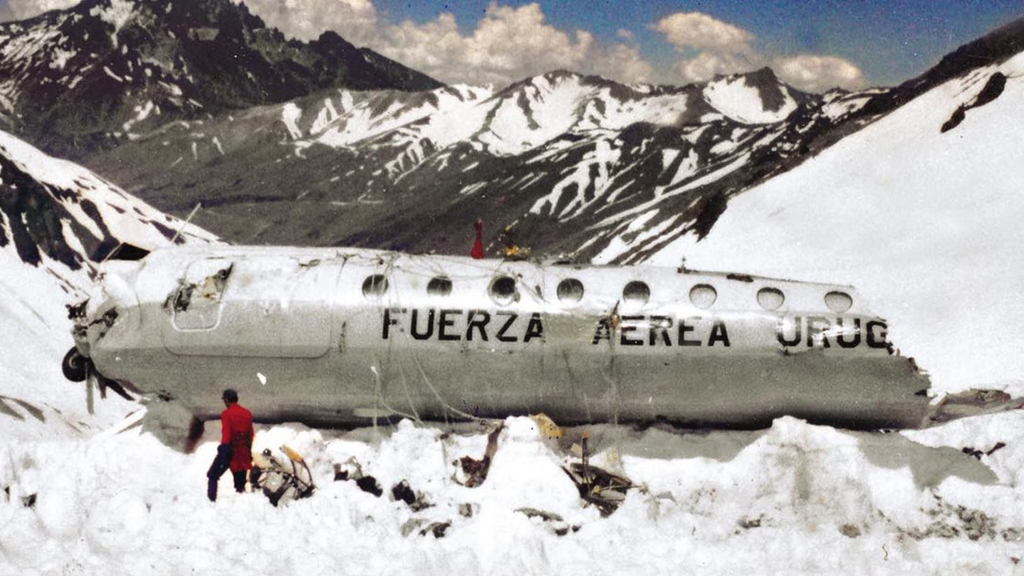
<point x="636" y="293"/>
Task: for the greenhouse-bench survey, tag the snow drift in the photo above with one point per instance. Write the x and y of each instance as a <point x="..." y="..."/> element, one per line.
<point x="56" y="220"/>
<point x="792" y="499"/>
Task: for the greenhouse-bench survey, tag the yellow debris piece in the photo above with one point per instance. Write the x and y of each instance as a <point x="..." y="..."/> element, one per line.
<point x="547" y="426"/>
<point x="515" y="250"/>
<point x="295" y="456"/>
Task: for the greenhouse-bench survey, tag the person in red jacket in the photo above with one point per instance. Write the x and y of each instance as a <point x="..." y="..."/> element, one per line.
<point x="477" y="251"/>
<point x="235" y="450"/>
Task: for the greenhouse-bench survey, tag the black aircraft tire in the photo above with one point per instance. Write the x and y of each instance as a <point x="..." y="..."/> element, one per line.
<point x="75" y="366"/>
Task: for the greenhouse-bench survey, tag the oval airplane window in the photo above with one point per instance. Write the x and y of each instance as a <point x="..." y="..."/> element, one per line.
<point x="439" y="286"/>
<point x="375" y="286"/>
<point x="636" y="293"/>
<point x="838" y="302"/>
<point x="703" y="296"/>
<point x="503" y="289"/>
<point x="570" y="291"/>
<point x="770" y="298"/>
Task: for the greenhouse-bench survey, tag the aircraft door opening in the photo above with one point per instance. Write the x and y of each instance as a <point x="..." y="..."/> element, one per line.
<point x="257" y="306"/>
<point x="197" y="302"/>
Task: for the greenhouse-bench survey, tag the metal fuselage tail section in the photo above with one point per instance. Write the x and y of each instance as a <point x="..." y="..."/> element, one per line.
<point x="336" y="336"/>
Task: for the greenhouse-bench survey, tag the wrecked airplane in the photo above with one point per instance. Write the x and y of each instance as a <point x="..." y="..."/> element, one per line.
<point x="345" y="336"/>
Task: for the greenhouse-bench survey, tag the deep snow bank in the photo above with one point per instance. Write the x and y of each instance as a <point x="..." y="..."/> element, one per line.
<point x="36" y="402"/>
<point x="926" y="224"/>
<point x="792" y="499"/>
<point x="54" y="215"/>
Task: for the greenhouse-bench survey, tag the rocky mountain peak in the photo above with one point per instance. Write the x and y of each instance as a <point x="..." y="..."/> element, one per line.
<point x="331" y="41"/>
<point x="772" y="90"/>
<point x="105" y="71"/>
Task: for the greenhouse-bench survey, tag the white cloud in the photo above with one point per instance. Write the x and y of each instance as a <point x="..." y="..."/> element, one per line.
<point x="723" y="48"/>
<point x="354" y="20"/>
<point x="818" y="73"/>
<point x="507" y="44"/>
<point x="620" y="62"/>
<point x="703" y="32"/>
<point x="707" y="65"/>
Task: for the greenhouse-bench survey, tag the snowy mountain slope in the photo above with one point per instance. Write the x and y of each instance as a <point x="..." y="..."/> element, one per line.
<point x="55" y="208"/>
<point x="416" y="124"/>
<point x="56" y="220"/>
<point x="755" y="98"/>
<point x="924" y="218"/>
<point x="563" y="164"/>
<point x="106" y="70"/>
<point x="554" y="157"/>
<point x="795" y="499"/>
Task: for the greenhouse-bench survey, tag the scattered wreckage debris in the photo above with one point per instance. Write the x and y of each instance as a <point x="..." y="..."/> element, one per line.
<point x="850" y="531"/>
<point x="415" y="500"/>
<point x="553" y="521"/>
<point x="352" y="470"/>
<point x="282" y="482"/>
<point x="403" y="492"/>
<point x="474" y="471"/>
<point x="436" y="528"/>
<point x="77" y="311"/>
<point x="971" y="402"/>
<point x="746" y="522"/>
<point x="547" y="427"/>
<point x="971" y="451"/>
<point x="597" y="486"/>
<point x="27" y="500"/>
<point x="103" y="383"/>
<point x="950" y="520"/>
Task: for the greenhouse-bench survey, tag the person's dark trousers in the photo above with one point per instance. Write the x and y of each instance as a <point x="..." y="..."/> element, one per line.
<point x="239" y="477"/>
<point x="217" y="469"/>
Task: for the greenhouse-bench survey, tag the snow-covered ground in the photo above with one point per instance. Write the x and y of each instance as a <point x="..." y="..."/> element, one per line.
<point x="794" y="499"/>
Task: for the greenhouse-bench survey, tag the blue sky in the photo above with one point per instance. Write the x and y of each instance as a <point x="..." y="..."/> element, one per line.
<point x="890" y="41"/>
<point x="812" y="44"/>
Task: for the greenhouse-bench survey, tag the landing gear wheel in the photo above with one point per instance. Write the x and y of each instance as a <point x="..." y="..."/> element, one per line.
<point x="75" y="366"/>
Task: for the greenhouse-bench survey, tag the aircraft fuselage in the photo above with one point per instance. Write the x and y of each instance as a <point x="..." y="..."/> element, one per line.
<point x="337" y="336"/>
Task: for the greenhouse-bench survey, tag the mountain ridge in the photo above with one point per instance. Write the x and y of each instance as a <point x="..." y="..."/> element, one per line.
<point x="88" y="76"/>
<point x="476" y="152"/>
<point x="564" y="164"/>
